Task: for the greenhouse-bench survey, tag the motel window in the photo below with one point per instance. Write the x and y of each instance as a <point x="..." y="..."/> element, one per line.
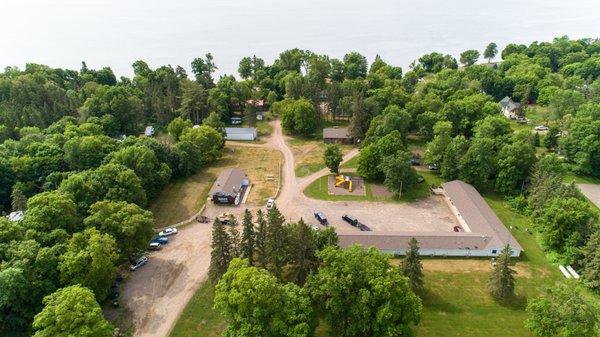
<point x="494" y="251"/>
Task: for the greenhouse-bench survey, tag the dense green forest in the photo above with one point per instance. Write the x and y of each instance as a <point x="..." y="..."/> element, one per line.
<point x="73" y="157"/>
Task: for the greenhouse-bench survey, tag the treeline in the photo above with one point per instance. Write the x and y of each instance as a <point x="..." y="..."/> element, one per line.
<point x="274" y="277"/>
<point x="84" y="196"/>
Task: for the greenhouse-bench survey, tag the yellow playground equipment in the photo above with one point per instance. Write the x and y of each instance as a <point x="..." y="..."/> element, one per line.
<point x="344" y="182"/>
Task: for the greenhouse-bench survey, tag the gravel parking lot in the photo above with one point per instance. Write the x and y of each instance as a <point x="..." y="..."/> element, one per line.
<point x="429" y="214"/>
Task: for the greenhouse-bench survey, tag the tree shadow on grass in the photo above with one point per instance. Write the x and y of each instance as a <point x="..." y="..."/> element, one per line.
<point x="517" y="302"/>
<point x="435" y="302"/>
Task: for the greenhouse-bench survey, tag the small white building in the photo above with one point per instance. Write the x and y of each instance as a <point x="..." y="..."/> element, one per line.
<point x="16" y="216"/>
<point x="509" y="108"/>
<point x="240" y="133"/>
<point x="149" y="131"/>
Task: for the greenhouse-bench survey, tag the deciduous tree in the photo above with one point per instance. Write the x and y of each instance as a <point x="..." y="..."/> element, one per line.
<point x="90" y="261"/>
<point x="375" y="301"/>
<point x="562" y="311"/>
<point x="71" y="311"/>
<point x="332" y="157"/>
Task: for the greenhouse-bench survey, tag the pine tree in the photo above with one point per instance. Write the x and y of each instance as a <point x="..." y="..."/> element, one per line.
<point x="502" y="280"/>
<point x="276" y="243"/>
<point x="221" y="252"/>
<point x="235" y="241"/>
<point x="19" y="200"/>
<point x="303" y="255"/>
<point x="261" y="239"/>
<point x="412" y="267"/>
<point x="591" y="262"/>
<point x="247" y="243"/>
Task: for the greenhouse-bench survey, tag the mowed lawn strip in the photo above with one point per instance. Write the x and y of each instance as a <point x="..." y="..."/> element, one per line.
<point x="308" y="154"/>
<point x="184" y="197"/>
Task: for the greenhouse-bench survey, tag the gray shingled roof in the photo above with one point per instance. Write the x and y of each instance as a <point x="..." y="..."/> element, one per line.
<point x="478" y="215"/>
<point x="508" y="103"/>
<point x="228" y="182"/>
<point x="486" y="229"/>
<point x="336" y="133"/>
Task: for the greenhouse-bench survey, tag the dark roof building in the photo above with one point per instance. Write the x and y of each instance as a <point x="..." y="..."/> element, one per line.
<point x="230" y="186"/>
<point x="509" y="107"/>
<point x="336" y="135"/>
<point x="484" y="234"/>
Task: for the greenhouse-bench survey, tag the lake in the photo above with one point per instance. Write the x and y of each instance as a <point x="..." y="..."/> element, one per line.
<point x="115" y="33"/>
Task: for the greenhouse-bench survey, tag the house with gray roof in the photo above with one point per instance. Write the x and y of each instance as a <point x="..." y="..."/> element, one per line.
<point x="481" y="233"/>
<point x="230" y="187"/>
<point x="337" y="135"/>
<point x="509" y="108"/>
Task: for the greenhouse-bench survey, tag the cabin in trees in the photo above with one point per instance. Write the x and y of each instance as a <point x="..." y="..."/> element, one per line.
<point x="230" y="187"/>
<point x="240" y="133"/>
<point x="337" y="135"/>
<point x="510" y="108"/>
<point x="479" y="233"/>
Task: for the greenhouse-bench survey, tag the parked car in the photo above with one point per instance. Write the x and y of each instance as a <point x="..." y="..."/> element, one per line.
<point x="226" y="218"/>
<point x="113" y="295"/>
<point x="420" y="178"/>
<point x="163" y="240"/>
<point x="168" y="231"/>
<point x="415" y="160"/>
<point x="350" y="219"/>
<point x="541" y="128"/>
<point x="154" y="246"/>
<point x="270" y="203"/>
<point x="139" y="263"/>
<point x="434" y="166"/>
<point x="321" y="218"/>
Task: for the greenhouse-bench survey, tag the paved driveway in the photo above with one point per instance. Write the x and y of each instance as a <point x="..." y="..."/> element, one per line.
<point x="592" y="192"/>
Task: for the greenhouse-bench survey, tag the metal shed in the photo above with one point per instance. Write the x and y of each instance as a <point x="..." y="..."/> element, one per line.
<point x="240" y="133"/>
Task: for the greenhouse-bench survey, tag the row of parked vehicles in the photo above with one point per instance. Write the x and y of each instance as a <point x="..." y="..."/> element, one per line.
<point x="155" y="244"/>
<point x="322" y="219"/>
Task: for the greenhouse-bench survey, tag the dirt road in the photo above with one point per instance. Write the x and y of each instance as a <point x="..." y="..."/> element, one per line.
<point x="157" y="293"/>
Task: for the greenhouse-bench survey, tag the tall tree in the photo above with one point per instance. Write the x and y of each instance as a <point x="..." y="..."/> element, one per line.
<point x="502" y="279"/>
<point x="469" y="57"/>
<point x="71" y="311"/>
<point x="203" y="70"/>
<point x="442" y="137"/>
<point x="303" y="250"/>
<point x="412" y="267"/>
<point x="129" y="224"/>
<point x="399" y="174"/>
<point x="256" y="304"/>
<point x="221" y="251"/>
<point x="490" y="51"/>
<point x="562" y="311"/>
<point x="591" y="262"/>
<point x="90" y="261"/>
<point x="261" y="239"/>
<point x="276" y="245"/>
<point x="375" y="301"/>
<point x="248" y="238"/>
<point x="332" y="156"/>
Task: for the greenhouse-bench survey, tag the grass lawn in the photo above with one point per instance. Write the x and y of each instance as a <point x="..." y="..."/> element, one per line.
<point x="308" y="154"/>
<point x="184" y="197"/>
<point x="318" y="190"/>
<point x="456" y="301"/>
<point x="581" y="179"/>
